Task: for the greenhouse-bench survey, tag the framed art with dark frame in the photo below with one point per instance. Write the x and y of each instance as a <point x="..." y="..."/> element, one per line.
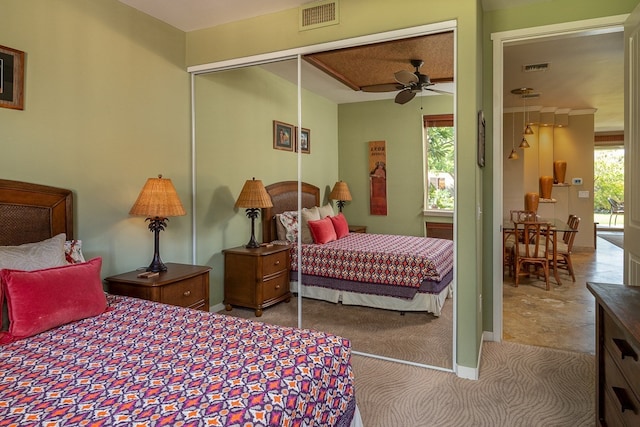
<point x="283" y="135"/>
<point x="303" y="141"/>
<point x="481" y="142"/>
<point x="11" y="78"/>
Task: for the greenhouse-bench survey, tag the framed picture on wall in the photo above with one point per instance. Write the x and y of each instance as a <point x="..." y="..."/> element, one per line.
<point x="481" y="130"/>
<point x="11" y="78"/>
<point x="303" y="141"/>
<point x="283" y="135"/>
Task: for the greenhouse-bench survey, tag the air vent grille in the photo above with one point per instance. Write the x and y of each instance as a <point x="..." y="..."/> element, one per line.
<point x="530" y="68"/>
<point x="318" y="14"/>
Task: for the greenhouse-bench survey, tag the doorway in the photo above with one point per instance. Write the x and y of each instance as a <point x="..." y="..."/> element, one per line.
<point x="500" y="42"/>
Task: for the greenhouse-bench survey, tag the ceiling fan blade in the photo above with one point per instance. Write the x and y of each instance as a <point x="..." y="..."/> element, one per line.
<point x="443" y="92"/>
<point x="405" y="96"/>
<point x="390" y="87"/>
<point x="405" y="77"/>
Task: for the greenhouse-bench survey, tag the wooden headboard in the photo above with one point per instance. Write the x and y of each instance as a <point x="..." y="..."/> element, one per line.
<point x="284" y="196"/>
<point x="32" y="212"/>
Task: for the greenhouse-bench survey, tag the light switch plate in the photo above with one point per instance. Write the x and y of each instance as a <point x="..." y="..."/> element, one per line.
<point x="576" y="181"/>
<point x="583" y="194"/>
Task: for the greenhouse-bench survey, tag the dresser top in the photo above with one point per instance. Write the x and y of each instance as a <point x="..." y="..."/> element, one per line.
<point x="621" y="302"/>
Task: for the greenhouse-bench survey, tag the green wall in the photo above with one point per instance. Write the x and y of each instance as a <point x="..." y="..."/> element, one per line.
<point x="106" y="107"/>
<point x="401" y="127"/>
<point x="234" y="142"/>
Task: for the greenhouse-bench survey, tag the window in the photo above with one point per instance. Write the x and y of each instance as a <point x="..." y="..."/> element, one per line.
<point x="439" y="162"/>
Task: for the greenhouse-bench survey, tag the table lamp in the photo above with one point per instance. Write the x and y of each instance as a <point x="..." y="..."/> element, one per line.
<point x="340" y="193"/>
<point x="158" y="200"/>
<point x="253" y="197"/>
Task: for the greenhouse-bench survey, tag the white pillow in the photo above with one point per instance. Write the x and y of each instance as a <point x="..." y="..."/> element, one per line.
<point x="308" y="214"/>
<point x="34" y="256"/>
<point x="326" y="210"/>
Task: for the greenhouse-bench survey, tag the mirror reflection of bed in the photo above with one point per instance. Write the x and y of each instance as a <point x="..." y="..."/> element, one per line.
<point x="370" y="300"/>
<point x="415" y="336"/>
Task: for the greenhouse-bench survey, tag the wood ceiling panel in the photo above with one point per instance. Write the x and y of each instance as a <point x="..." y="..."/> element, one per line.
<point x="375" y="64"/>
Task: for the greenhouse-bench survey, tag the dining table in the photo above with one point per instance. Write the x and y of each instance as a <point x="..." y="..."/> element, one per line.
<point x="556" y="226"/>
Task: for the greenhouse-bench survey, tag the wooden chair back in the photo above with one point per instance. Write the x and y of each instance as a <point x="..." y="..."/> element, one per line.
<point x="531" y="243"/>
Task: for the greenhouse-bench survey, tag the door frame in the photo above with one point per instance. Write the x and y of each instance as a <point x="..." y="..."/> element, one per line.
<point x="500" y="39"/>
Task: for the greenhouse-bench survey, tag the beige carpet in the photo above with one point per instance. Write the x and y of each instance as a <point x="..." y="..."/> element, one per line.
<point x="519" y="385"/>
<point x="416" y="336"/>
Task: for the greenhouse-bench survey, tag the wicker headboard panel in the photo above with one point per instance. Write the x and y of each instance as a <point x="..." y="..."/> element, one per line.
<point x="284" y="196"/>
<point x="32" y="212"/>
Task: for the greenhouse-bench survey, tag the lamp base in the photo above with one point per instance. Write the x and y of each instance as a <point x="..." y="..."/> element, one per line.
<point x="157" y="266"/>
<point x="156" y="225"/>
<point x="253" y="243"/>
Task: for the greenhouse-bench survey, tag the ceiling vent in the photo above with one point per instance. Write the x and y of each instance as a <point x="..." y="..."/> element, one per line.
<point x="318" y="14"/>
<point x="530" y="68"/>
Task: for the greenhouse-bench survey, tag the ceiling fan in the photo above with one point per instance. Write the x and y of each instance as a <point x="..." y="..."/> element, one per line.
<point x="409" y="84"/>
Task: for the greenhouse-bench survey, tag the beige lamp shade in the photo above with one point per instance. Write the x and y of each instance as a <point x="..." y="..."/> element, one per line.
<point x="253" y="195"/>
<point x="158" y="198"/>
<point x="340" y="192"/>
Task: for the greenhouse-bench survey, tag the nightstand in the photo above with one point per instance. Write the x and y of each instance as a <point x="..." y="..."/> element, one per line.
<point x="357" y="229"/>
<point x="256" y="278"/>
<point x="182" y="284"/>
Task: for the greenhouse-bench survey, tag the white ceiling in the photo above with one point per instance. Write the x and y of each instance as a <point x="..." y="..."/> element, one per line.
<point x="585" y="73"/>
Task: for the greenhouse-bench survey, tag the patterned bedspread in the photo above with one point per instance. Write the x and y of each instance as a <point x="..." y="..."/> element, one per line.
<point x="143" y="364"/>
<point x="378" y="258"/>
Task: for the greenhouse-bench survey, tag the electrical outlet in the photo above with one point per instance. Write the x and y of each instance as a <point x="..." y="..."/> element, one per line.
<point x="576" y="181"/>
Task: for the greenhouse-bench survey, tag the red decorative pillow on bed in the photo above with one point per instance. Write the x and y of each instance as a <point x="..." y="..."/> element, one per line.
<point x="340" y="225"/>
<point x="44" y="299"/>
<point x="322" y="230"/>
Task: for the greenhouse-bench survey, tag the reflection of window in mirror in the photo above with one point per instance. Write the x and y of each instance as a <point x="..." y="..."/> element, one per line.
<point x="439" y="159"/>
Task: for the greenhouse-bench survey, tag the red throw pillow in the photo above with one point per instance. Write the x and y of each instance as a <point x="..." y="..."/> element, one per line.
<point x="322" y="230"/>
<point x="44" y="299"/>
<point x="340" y="224"/>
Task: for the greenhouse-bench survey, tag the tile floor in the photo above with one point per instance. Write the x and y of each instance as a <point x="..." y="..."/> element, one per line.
<point x="563" y="317"/>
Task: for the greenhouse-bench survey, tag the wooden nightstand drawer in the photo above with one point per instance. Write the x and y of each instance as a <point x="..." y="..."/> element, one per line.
<point x="275" y="263"/>
<point x="256" y="277"/>
<point x="275" y="287"/>
<point x="182" y="284"/>
<point x="186" y="293"/>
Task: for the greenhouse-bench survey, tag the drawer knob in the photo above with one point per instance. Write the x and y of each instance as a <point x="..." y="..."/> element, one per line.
<point x="623" y="399"/>
<point x="277" y="262"/>
<point x="625" y="348"/>
<point x="277" y="286"/>
<point x="186" y="293"/>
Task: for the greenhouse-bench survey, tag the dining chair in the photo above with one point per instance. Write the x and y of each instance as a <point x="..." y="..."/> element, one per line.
<point x="531" y="249"/>
<point x="508" y="238"/>
<point x="564" y="248"/>
<point x="616" y="208"/>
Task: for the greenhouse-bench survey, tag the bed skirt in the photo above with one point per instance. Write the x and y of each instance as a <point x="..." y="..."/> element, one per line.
<point x="429" y="302"/>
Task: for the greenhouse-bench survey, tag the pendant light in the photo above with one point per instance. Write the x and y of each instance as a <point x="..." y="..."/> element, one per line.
<point x="513" y="155"/>
<point x="523" y="92"/>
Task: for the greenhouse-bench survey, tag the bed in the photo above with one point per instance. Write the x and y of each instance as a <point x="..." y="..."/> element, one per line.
<point x="402" y="273"/>
<point x="137" y="362"/>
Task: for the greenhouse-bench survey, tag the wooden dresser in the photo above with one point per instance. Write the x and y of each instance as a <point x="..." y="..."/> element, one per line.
<point x="617" y="354"/>
<point x="184" y="285"/>
<point x="256" y="278"/>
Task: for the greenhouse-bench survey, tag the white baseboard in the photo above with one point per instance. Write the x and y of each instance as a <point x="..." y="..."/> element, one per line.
<point x="471" y="373"/>
<point x="216" y="308"/>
